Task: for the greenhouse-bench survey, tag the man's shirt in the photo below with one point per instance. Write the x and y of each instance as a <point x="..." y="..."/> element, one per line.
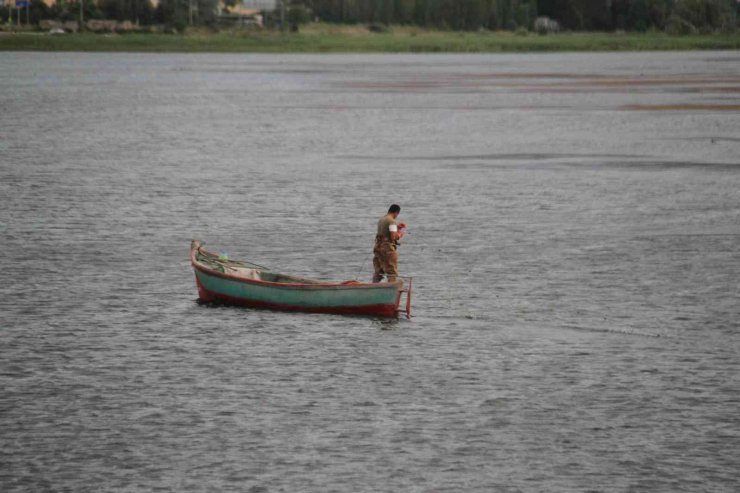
<point x="386" y="225"/>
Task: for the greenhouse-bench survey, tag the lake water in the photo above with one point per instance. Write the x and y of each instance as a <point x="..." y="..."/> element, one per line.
<point x="574" y="239"/>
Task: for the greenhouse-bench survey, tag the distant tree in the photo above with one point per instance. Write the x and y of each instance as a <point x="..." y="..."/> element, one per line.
<point x="421" y="13"/>
<point x="207" y="11"/>
<point x="637" y="18"/>
<point x="658" y="12"/>
<point x="525" y="14"/>
<point x="474" y="14"/>
<point x="119" y="10"/>
<point x="404" y="10"/>
<point x="298" y="14"/>
<point x="492" y="20"/>
<point x="175" y="13"/>
<point x="705" y="15"/>
<point x="573" y="14"/>
<point x="171" y="12"/>
<point x="39" y="11"/>
<point x="70" y="10"/>
<point x="143" y="12"/>
<point x="510" y="14"/>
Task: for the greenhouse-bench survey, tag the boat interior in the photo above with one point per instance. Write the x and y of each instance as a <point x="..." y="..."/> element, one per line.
<point x="247" y="270"/>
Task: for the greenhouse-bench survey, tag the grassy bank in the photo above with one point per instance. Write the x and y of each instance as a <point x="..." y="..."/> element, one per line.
<point x="321" y="38"/>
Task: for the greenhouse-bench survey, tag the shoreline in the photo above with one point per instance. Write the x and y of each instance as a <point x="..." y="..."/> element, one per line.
<point x="355" y="39"/>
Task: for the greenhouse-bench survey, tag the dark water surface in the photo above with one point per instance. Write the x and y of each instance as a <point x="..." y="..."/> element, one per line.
<point x="574" y="233"/>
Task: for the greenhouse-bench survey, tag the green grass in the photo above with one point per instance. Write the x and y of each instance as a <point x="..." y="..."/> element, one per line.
<point x="322" y="38"/>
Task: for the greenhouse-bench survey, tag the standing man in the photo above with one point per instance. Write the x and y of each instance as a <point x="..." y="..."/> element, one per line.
<point x="385" y="252"/>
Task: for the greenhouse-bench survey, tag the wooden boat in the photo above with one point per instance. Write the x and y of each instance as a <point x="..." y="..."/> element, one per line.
<point x="242" y="283"/>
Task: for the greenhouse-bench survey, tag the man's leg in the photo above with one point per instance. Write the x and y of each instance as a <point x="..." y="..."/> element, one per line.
<point x="377" y="265"/>
<point x="390" y="266"/>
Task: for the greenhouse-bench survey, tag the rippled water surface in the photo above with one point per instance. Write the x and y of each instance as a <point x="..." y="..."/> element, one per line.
<point x="574" y="237"/>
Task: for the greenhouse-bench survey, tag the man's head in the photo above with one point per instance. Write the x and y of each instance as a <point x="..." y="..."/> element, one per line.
<point x="394" y="210"/>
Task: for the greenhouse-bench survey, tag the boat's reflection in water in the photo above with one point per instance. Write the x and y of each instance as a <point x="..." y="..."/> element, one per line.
<point x="387" y="323"/>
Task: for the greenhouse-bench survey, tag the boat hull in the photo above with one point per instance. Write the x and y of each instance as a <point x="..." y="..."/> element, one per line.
<point x="360" y="299"/>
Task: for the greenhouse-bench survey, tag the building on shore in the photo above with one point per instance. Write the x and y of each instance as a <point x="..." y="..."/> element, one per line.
<point x="245" y="13"/>
<point x="262" y="4"/>
<point x="238" y="15"/>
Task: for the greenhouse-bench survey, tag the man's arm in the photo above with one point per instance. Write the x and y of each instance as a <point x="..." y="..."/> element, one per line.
<point x="396" y="235"/>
